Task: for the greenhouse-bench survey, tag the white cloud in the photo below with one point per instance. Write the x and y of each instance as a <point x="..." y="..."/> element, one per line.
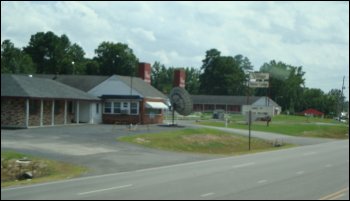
<point x="148" y="35"/>
<point x="314" y="35"/>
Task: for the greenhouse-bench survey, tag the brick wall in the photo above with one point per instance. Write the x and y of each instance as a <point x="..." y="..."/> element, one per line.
<point x="146" y="118"/>
<point x="13" y="112"/>
<point x="47" y="112"/>
<point x="131" y="119"/>
<point x="59" y="112"/>
<point x="34" y="112"/>
<point x="157" y="119"/>
<point x="120" y="119"/>
<point x="143" y="117"/>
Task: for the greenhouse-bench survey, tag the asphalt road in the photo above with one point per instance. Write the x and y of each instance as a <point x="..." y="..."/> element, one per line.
<point x="94" y="146"/>
<point x="318" y="171"/>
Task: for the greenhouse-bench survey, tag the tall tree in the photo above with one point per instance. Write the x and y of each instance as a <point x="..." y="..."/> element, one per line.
<point x="286" y="84"/>
<point x="162" y="77"/>
<point x="92" y="67"/>
<point x="294" y="88"/>
<point x="210" y="55"/>
<point x="155" y="74"/>
<point x="243" y="62"/>
<point x="116" y="58"/>
<point x="221" y="75"/>
<point x="313" y="98"/>
<point x="54" y="54"/>
<point x="192" y="80"/>
<point x="74" y="62"/>
<point x="334" y="101"/>
<point x="13" y="60"/>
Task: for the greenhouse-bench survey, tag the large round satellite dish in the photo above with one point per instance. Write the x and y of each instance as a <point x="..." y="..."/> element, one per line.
<point x="181" y="101"/>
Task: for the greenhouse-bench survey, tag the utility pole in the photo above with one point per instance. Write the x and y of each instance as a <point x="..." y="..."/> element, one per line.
<point x="249" y="125"/>
<point x="342" y="96"/>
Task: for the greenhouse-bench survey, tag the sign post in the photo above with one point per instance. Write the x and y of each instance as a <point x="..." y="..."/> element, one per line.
<point x="256" y="80"/>
<point x="249" y="125"/>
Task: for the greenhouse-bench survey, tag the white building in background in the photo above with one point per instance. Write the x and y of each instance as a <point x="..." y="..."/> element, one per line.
<point x="235" y="104"/>
<point x="263" y="106"/>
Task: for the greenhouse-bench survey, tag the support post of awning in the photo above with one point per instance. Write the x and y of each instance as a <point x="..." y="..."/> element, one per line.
<point x="78" y="112"/>
<point x="27" y="113"/>
<point x="41" y="112"/>
<point x="53" y="113"/>
<point x="65" y="112"/>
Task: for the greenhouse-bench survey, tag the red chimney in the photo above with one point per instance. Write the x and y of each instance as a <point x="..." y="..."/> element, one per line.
<point x="145" y="72"/>
<point x="179" y="77"/>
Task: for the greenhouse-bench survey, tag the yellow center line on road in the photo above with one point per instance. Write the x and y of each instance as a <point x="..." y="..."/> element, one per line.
<point x="334" y="195"/>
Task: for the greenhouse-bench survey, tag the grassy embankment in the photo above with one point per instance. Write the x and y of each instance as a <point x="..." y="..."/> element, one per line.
<point x="290" y="125"/>
<point x="207" y="141"/>
<point x="43" y="170"/>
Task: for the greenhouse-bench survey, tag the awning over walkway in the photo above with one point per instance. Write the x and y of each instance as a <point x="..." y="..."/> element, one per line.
<point x="156" y="105"/>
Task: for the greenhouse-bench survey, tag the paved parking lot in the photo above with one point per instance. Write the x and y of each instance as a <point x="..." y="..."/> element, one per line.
<point x="93" y="146"/>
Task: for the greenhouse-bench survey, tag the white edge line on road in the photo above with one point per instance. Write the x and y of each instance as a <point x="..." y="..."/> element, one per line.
<point x="128" y="172"/>
<point x="309" y="153"/>
<point x="154" y="168"/>
<point x="300" y="172"/>
<point x="243" y="165"/>
<point x="105" y="189"/>
<point x="207" y="194"/>
<point x="64" y="181"/>
<point x="328" y="165"/>
<point x="262" y="181"/>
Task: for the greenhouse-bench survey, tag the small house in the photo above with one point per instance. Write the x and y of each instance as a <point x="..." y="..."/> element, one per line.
<point x="41" y="100"/>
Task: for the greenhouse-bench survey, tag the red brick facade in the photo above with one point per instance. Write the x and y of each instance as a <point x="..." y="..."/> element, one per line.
<point x="120" y="119"/>
<point x="145" y="72"/>
<point x="13" y="112"/>
<point x="145" y="116"/>
<point x="179" y="78"/>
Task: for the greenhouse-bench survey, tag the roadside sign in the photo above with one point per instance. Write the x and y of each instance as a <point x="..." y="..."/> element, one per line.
<point x="259" y="84"/>
<point x="259" y="77"/>
<point x="259" y="80"/>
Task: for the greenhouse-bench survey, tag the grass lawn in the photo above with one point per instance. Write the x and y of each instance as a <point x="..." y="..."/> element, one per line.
<point x="292" y="125"/>
<point x="54" y="170"/>
<point x="208" y="141"/>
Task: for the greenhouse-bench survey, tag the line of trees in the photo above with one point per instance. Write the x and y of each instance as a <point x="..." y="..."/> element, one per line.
<point x="48" y="53"/>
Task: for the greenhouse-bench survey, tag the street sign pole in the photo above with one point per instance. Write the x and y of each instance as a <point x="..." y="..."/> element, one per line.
<point x="256" y="80"/>
<point x="249" y="125"/>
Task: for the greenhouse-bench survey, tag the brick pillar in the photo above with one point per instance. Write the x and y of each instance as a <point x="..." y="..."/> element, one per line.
<point x="145" y="72"/>
<point x="179" y="78"/>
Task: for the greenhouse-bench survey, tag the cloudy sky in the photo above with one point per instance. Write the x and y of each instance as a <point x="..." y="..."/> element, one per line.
<point x="314" y="35"/>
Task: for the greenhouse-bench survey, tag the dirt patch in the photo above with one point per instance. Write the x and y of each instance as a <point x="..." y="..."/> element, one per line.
<point x="308" y="133"/>
<point x="203" y="138"/>
<point x="12" y="170"/>
<point x="142" y="140"/>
